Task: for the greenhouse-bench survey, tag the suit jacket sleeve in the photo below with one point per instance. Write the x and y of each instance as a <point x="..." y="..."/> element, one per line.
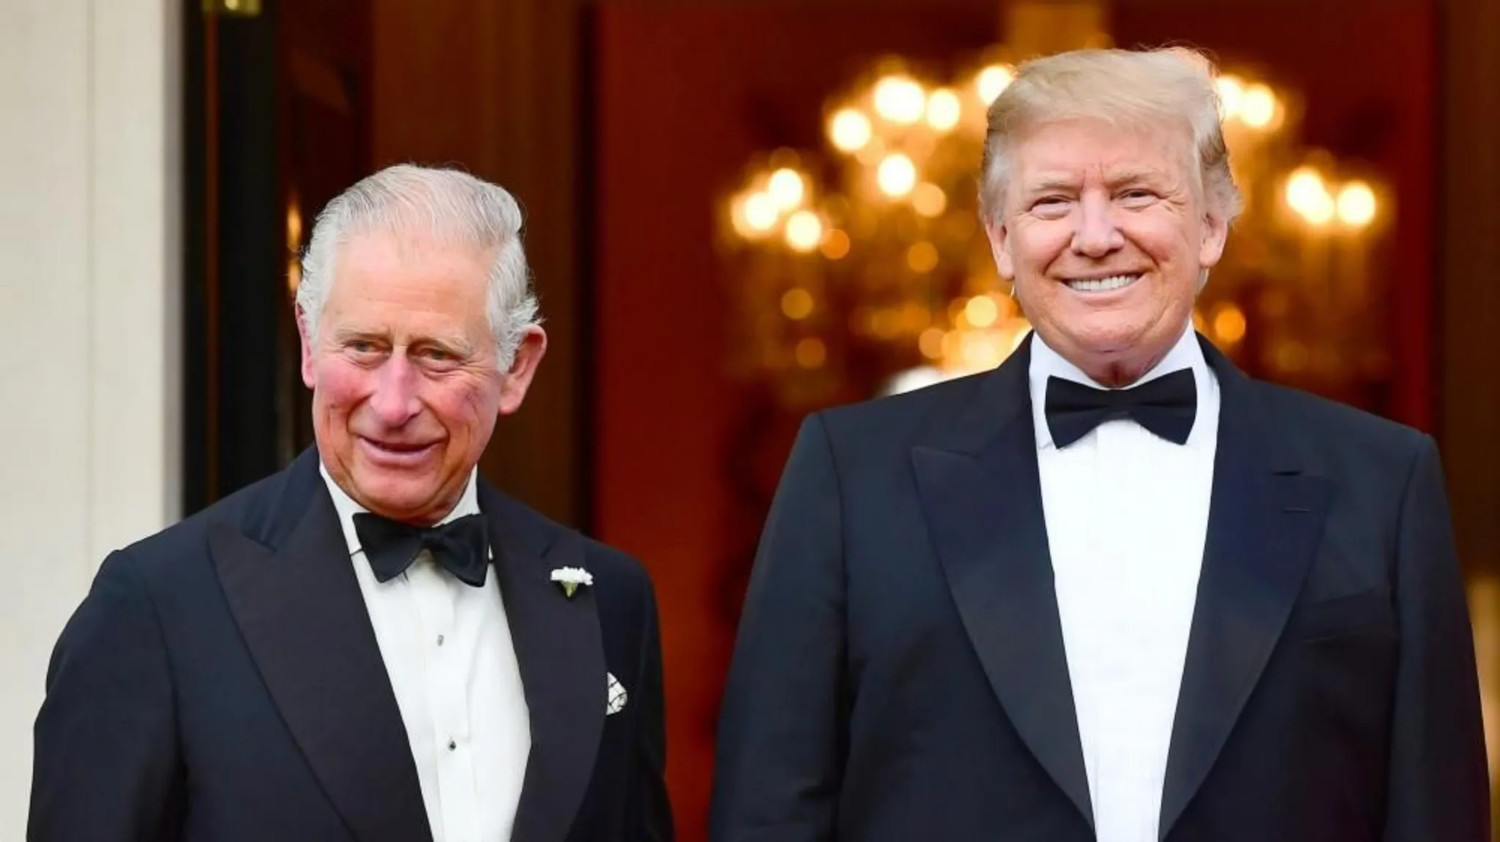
<point x="1439" y="785"/>
<point x="780" y="741"/>
<point x="655" y="823"/>
<point x="106" y="764"/>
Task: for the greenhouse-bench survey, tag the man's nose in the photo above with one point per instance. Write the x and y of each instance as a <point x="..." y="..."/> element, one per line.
<point x="394" y="401"/>
<point x="1096" y="234"/>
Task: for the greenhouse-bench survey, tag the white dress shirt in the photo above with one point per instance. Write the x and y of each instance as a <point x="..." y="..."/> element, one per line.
<point x="1127" y="516"/>
<point x="448" y="652"/>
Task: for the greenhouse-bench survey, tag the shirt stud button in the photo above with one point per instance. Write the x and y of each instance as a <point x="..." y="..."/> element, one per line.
<point x="440" y="640"/>
<point x="452" y="745"/>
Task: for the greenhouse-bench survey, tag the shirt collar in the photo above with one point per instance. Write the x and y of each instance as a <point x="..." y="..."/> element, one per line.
<point x="347" y="508"/>
<point x="1045" y="363"/>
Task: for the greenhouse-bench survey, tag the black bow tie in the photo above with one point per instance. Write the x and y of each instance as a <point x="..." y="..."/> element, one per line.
<point x="461" y="546"/>
<point x="1165" y="406"/>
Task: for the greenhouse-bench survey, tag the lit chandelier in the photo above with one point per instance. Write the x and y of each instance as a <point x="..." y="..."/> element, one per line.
<point x="862" y="268"/>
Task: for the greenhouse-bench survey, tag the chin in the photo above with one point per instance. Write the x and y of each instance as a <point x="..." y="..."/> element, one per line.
<point x="394" y="494"/>
<point x="1109" y="338"/>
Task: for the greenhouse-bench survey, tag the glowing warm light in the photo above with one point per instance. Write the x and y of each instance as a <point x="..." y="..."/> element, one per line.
<point x="293" y="245"/>
<point x="1231" y="95"/>
<point x="1258" y="107"/>
<point x="786" y="188"/>
<point x="897" y="175"/>
<point x="804" y="231"/>
<point x="1307" y="194"/>
<point x="952" y="340"/>
<point x="760" y="212"/>
<point x="1229" y="323"/>
<point x="811" y="353"/>
<point x="981" y="350"/>
<point x="981" y="311"/>
<point x="797" y="304"/>
<point x="1356" y="204"/>
<point x="915" y="378"/>
<point x="943" y="109"/>
<point x="992" y="81"/>
<point x="871" y="153"/>
<point x="293" y="227"/>
<point x="922" y="257"/>
<point x="835" y="245"/>
<point x="1303" y="187"/>
<point x="1484" y="607"/>
<point x="849" y="130"/>
<point x="1322" y="211"/>
<point x="929" y="199"/>
<point x="930" y="343"/>
<point x="900" y="99"/>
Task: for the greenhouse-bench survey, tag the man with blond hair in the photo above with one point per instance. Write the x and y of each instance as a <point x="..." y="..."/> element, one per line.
<point x="375" y="644"/>
<point x="1113" y="590"/>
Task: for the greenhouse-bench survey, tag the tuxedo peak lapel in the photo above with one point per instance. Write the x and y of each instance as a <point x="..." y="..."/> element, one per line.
<point x="560" y="650"/>
<point x="303" y="618"/>
<point x="1265" y="521"/>
<point x="981" y="494"/>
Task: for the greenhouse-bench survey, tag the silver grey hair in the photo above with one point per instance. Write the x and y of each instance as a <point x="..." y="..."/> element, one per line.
<point x="449" y="205"/>
<point x="1129" y="88"/>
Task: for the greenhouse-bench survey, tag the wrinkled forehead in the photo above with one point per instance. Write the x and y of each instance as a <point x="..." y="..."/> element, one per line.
<point x="1079" y="151"/>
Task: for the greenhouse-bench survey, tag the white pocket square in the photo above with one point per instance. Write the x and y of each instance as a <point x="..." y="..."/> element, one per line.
<point x="617" y="697"/>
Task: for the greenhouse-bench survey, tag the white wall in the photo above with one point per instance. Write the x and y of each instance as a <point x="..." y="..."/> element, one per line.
<point x="89" y="289"/>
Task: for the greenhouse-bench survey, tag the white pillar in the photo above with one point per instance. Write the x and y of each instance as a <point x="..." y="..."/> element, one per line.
<point x="89" y="324"/>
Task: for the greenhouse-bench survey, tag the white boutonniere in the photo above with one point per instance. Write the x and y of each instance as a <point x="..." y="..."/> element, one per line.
<point x="570" y="578"/>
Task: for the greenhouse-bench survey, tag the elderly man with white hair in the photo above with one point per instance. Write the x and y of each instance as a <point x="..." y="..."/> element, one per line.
<point x="1114" y="590"/>
<point x="374" y="644"/>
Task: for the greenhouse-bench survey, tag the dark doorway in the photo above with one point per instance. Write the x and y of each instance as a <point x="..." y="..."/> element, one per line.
<point x="277" y="109"/>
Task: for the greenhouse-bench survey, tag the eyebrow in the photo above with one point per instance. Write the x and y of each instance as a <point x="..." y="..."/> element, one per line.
<point x="1124" y="178"/>
<point x="1048" y="183"/>
<point x="457" y="347"/>
<point x="344" y="334"/>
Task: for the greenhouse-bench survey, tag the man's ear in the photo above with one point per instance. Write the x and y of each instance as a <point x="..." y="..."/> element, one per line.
<point x="998" y="233"/>
<point x="308" y="374"/>
<point x="1215" y="233"/>
<point x="517" y="379"/>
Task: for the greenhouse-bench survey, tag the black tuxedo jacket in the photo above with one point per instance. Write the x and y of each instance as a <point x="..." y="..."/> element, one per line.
<point x="222" y="682"/>
<point x="900" y="673"/>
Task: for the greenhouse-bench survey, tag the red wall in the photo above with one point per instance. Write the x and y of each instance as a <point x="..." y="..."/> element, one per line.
<point x="1367" y="71"/>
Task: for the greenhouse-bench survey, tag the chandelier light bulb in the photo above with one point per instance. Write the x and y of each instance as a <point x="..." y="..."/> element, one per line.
<point x="849" y="130"/>
<point x="1258" y="107"/>
<point x="993" y="80"/>
<point x="900" y="99"/>
<point x="1356" y="204"/>
<point x="1231" y="95"/>
<point x="896" y="175"/>
<point x="786" y="188"/>
<point x="943" y="109"/>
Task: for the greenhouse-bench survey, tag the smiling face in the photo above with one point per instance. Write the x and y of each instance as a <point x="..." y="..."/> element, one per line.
<point x="406" y="385"/>
<point x="1106" y="237"/>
